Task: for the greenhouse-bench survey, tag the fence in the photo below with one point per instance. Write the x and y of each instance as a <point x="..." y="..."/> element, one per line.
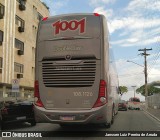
<point x="154" y="101"/>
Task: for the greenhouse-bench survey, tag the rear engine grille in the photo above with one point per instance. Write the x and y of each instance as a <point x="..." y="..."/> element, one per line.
<point x="68" y="74"/>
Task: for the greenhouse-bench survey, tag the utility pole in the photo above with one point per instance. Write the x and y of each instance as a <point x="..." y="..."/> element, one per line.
<point x="145" y="67"/>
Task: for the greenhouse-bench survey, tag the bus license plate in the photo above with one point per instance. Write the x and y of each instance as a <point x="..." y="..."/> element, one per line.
<point x="67" y="118"/>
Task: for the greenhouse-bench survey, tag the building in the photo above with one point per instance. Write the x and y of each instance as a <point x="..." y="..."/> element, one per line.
<point x="18" y="28"/>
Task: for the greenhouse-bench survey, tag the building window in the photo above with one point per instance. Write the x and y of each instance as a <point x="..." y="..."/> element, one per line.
<point x="22" y="1"/>
<point x="1" y="62"/>
<point x="1" y="11"/>
<point x="1" y="37"/>
<point x="18" y="67"/>
<point x="19" y="44"/>
<point x="34" y="29"/>
<point x="19" y="22"/>
<point x="22" y="4"/>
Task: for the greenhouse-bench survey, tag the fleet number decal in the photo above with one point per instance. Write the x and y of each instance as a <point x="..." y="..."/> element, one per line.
<point x="83" y="93"/>
<point x="69" y="25"/>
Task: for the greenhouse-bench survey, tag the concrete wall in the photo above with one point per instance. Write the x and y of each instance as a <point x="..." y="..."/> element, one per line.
<point x="154" y="101"/>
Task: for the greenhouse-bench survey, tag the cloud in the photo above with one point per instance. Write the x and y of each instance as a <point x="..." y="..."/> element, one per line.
<point x="154" y="6"/>
<point x="136" y="25"/>
<point x="55" y="5"/>
<point x="132" y="23"/>
<point x="137" y="5"/>
<point x="97" y="3"/>
<point x="101" y="10"/>
<point x="135" y="42"/>
<point x="130" y="74"/>
<point x="154" y="75"/>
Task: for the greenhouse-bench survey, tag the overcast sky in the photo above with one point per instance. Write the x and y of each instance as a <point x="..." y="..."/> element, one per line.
<point x="133" y="25"/>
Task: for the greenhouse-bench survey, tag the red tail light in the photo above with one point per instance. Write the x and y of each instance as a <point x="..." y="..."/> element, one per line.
<point x="4" y="111"/>
<point x="102" y="97"/>
<point x="38" y="101"/>
<point x="96" y="14"/>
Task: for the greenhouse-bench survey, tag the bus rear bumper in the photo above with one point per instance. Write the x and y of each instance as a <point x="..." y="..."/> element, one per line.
<point x="94" y="115"/>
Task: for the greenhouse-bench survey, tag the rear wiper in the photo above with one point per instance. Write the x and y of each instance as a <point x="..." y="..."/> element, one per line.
<point x="69" y="38"/>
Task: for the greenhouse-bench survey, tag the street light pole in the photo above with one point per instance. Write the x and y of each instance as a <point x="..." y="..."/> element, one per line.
<point x="135" y="63"/>
<point x="134" y="90"/>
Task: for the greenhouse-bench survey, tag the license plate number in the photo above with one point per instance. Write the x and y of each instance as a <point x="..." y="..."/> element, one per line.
<point x="67" y="118"/>
<point x="21" y="118"/>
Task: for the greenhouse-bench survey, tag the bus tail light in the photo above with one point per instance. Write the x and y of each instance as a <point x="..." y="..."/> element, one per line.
<point x="38" y="101"/>
<point x="96" y="14"/>
<point x="102" y="96"/>
<point x="45" y="18"/>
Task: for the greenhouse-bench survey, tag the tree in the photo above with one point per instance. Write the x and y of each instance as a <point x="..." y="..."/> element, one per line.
<point x="151" y="90"/>
<point x="123" y="89"/>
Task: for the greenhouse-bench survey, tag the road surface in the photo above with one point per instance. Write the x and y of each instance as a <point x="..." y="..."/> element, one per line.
<point x="131" y="120"/>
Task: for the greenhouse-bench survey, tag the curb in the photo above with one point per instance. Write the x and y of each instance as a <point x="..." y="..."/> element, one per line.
<point x="151" y="115"/>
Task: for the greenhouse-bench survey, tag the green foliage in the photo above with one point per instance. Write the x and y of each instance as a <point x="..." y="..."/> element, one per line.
<point x="151" y="90"/>
<point x="123" y="89"/>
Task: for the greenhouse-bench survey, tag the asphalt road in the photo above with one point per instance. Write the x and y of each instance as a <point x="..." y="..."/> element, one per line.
<point x="131" y="120"/>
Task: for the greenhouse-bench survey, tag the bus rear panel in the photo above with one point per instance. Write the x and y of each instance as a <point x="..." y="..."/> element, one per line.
<point x="72" y="70"/>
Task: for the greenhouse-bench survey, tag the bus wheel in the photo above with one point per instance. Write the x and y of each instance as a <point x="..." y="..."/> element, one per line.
<point x="107" y="125"/>
<point x="2" y="126"/>
<point x="63" y="125"/>
<point x="33" y="123"/>
<point x="112" y="121"/>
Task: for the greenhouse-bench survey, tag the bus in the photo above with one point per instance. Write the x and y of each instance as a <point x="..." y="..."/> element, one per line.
<point x="134" y="103"/>
<point x="75" y="77"/>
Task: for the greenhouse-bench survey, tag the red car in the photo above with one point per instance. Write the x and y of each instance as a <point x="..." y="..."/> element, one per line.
<point x="122" y="105"/>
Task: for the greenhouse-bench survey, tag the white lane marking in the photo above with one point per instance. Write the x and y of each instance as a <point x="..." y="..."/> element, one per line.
<point x="152" y="118"/>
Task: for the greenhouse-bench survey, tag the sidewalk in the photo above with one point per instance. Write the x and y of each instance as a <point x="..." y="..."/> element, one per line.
<point x="154" y="112"/>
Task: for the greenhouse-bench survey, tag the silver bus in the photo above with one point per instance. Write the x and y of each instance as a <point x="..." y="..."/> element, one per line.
<point x="75" y="79"/>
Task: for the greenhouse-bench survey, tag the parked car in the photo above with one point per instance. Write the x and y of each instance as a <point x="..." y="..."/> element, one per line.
<point x="16" y="111"/>
<point x="122" y="105"/>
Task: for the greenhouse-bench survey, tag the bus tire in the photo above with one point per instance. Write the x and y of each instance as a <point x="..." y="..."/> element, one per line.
<point x="113" y="114"/>
<point x="2" y="126"/>
<point x="33" y="123"/>
<point x="63" y="125"/>
<point x="107" y="125"/>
